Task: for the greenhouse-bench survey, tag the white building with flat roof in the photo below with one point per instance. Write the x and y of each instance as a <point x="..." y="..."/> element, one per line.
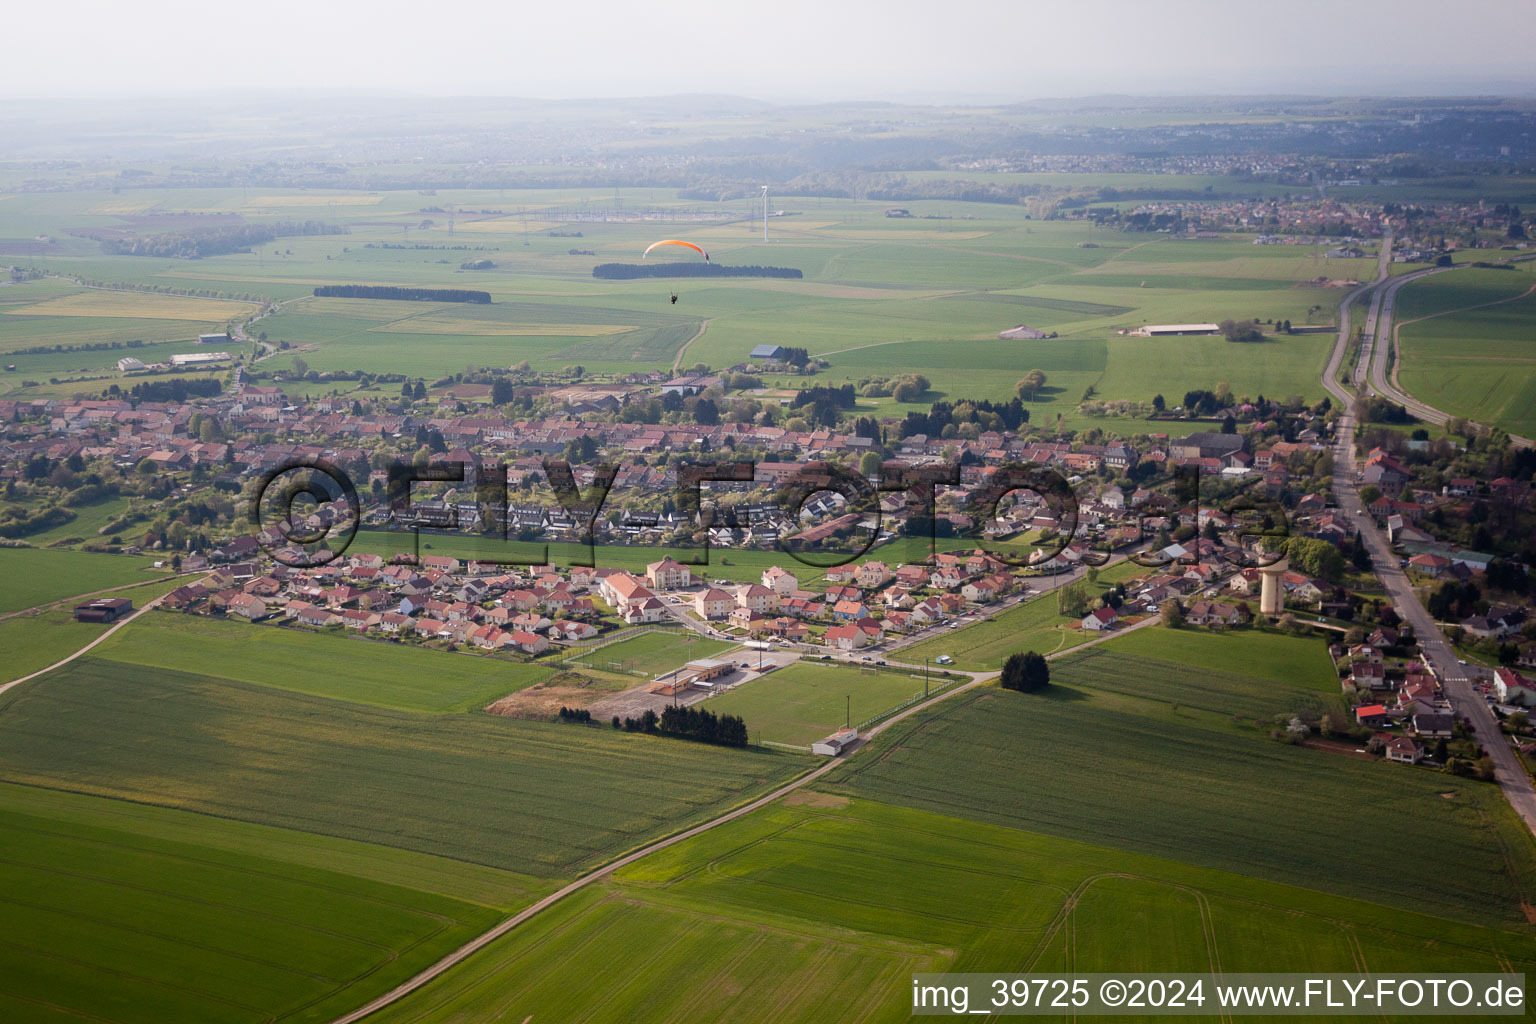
<point x="1167" y="330"/>
<point x="836" y="743"/>
<point x="199" y="358"/>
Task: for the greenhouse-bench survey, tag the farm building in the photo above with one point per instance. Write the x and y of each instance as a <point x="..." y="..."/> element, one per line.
<point x="774" y="352"/>
<point x="836" y="743"/>
<point x="686" y="386"/>
<point x="199" y="358"/>
<point x="107" y="609"/>
<point x="222" y="338"/>
<point x="128" y="364"/>
<point x="1170" y="330"/>
<point x="1023" y="332"/>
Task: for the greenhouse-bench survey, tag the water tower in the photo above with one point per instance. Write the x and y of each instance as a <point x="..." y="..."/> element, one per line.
<point x="1272" y="589"/>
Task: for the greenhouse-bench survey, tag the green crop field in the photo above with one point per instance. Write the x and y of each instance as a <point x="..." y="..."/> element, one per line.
<point x="654" y="653"/>
<point x="382" y="673"/>
<point x="1147" y="754"/>
<point x="807" y="700"/>
<point x="149" y="915"/>
<point x="1278" y="657"/>
<point x="541" y="799"/>
<point x="34" y="576"/>
<point x="927" y="294"/>
<point x="826" y="903"/>
<point x="1480" y="362"/>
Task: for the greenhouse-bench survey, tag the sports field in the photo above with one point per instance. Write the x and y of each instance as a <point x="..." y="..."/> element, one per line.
<point x="653" y="653"/>
<point x="825" y="902"/>
<point x="1467" y="345"/>
<point x="807" y="700"/>
<point x="384" y="674"/>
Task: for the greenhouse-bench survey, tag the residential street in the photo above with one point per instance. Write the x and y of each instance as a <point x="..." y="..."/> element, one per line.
<point x="1465" y="700"/>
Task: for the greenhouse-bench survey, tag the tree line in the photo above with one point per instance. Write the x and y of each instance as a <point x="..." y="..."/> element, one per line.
<point x="195" y="243"/>
<point x="630" y="271"/>
<point x="685" y="722"/>
<point x="379" y="291"/>
<point x="177" y="389"/>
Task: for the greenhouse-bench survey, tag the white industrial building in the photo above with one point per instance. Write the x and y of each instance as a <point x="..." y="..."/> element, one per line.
<point x="199" y="358"/>
<point x="1166" y="330"/>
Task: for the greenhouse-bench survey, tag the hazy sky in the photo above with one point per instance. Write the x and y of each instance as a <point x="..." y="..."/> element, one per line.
<point x="782" y="50"/>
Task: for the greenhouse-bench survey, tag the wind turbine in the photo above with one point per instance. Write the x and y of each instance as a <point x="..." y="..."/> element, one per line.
<point x="765" y="213"/>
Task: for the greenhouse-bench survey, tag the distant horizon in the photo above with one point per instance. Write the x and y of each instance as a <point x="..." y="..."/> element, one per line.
<point x="978" y="52"/>
<point x="1507" y="91"/>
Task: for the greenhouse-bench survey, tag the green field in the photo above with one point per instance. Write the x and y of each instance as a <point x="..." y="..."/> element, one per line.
<point x="537" y="798"/>
<point x="34" y="577"/>
<point x="984" y="646"/>
<point x="1479" y="363"/>
<point x="35" y="640"/>
<point x="807" y="700"/>
<point x="1144" y="754"/>
<point x="385" y="674"/>
<point x="824" y="904"/>
<point x="927" y="294"/>
<point x="736" y="566"/>
<point x="125" y="913"/>
<point x="653" y="653"/>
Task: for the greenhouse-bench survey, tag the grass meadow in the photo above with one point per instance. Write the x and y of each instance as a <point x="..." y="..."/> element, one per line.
<point x="983" y="646"/>
<point x="820" y="902"/>
<point x="807" y="700"/>
<point x="34" y="576"/>
<point x="653" y="653"/>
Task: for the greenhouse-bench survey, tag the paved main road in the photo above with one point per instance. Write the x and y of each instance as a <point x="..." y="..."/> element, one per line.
<point x="1465" y="700"/>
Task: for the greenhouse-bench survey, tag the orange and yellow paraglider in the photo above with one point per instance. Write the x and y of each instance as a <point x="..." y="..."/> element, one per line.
<point x="675" y="241"/>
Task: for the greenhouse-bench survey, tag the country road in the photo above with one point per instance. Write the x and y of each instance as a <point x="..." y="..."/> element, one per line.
<point x="1510" y="774"/>
<point x="480" y="942"/>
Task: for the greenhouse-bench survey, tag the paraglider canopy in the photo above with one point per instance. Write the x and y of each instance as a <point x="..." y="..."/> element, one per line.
<point x="675" y="241"/>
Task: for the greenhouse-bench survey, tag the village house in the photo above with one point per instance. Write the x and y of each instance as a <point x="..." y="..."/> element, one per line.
<point x="758" y="598"/>
<point x="780" y="580"/>
<point x="668" y="574"/>
<point x="1101" y="619"/>
<point x="713" y="604"/>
